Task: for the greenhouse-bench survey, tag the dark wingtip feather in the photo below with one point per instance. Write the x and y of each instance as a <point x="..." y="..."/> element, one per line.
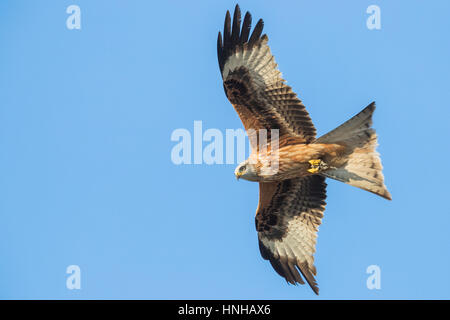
<point x="227" y="30"/>
<point x="288" y="269"/>
<point x="220" y="50"/>
<point x="256" y="34"/>
<point x="234" y="37"/>
<point x="235" y="32"/>
<point x="246" y="26"/>
<point x="304" y="269"/>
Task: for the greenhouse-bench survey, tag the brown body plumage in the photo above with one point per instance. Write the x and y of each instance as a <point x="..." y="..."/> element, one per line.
<point x="291" y="173"/>
<point x="293" y="160"/>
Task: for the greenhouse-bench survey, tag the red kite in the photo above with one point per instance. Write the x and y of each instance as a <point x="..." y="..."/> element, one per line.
<point x="292" y="198"/>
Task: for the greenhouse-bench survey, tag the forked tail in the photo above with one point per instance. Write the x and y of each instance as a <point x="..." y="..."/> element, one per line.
<point x="360" y="165"/>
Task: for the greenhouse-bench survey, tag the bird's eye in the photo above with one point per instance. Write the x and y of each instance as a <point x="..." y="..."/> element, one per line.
<point x="241" y="169"/>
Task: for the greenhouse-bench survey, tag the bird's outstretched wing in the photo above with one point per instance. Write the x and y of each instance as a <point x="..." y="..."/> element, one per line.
<point x="254" y="85"/>
<point x="287" y="220"/>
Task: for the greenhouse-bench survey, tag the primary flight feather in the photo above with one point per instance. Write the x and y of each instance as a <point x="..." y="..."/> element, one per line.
<point x="292" y="197"/>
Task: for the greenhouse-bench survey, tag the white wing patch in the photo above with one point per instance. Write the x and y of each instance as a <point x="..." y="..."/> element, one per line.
<point x="258" y="61"/>
<point x="298" y="244"/>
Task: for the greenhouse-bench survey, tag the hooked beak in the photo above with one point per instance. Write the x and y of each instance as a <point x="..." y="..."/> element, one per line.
<point x="238" y="175"/>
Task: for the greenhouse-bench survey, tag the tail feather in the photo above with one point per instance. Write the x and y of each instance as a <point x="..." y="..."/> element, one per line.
<point x="360" y="165"/>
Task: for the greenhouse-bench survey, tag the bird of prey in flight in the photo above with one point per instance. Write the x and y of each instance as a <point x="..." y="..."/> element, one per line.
<point x="291" y="198"/>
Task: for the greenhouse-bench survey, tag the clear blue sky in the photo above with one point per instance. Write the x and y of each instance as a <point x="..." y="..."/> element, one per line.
<point x="87" y="179"/>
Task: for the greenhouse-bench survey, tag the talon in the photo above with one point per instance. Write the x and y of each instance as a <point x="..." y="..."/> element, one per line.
<point x="317" y="165"/>
<point x="315" y="162"/>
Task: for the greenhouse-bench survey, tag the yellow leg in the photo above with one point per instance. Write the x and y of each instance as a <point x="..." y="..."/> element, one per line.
<point x="316" y="165"/>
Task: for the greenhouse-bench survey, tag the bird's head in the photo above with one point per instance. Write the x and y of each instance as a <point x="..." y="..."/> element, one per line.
<point x="246" y="171"/>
